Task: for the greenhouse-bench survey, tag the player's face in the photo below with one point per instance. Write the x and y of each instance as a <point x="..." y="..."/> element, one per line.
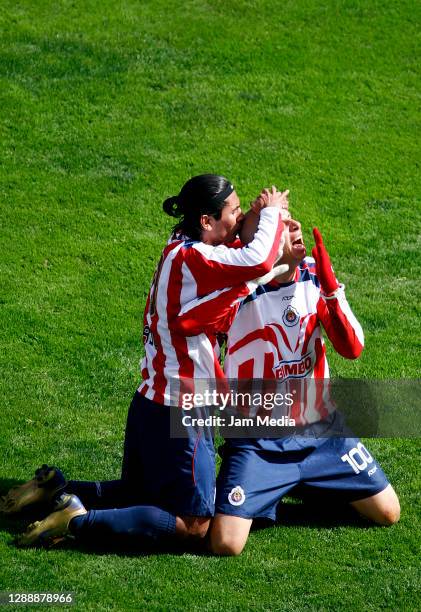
<point x="225" y="229"/>
<point x="294" y="249"/>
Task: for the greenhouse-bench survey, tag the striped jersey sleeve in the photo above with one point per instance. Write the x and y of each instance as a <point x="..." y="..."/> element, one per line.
<point x="218" y="267"/>
<point x="277" y="334"/>
<point x="212" y="313"/>
<point x="340" y="324"/>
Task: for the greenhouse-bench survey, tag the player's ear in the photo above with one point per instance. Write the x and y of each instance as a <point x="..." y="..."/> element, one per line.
<point x="206" y="222"/>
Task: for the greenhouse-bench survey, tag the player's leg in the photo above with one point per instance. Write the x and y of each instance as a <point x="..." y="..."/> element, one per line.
<point x="177" y="474"/>
<point x="102" y="494"/>
<point x="124" y="525"/>
<point x="178" y="484"/>
<point x="344" y="469"/>
<point x="192" y="527"/>
<point x="382" y="508"/>
<point x="138" y="521"/>
<point x="228" y="534"/>
<point x="253" y="478"/>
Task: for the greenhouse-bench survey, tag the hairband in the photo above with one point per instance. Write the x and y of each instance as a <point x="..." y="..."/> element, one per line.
<point x="222" y="195"/>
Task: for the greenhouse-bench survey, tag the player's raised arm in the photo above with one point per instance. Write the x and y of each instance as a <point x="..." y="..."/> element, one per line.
<point x="213" y="313"/>
<point x="215" y="310"/>
<point x="342" y="328"/>
<point x="216" y="266"/>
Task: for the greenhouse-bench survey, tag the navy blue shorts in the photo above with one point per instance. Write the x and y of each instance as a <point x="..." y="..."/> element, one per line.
<point x="256" y="474"/>
<point x="176" y="474"/>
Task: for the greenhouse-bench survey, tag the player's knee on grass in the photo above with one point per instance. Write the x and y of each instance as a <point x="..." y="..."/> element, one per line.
<point x="192" y="526"/>
<point x="227" y="545"/>
<point x="390" y="509"/>
<point x="382" y="508"/>
<point x="228" y="535"/>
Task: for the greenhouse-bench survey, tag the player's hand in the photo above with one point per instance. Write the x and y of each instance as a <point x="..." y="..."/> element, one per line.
<point x="271" y="198"/>
<point x="284" y="205"/>
<point x="324" y="271"/>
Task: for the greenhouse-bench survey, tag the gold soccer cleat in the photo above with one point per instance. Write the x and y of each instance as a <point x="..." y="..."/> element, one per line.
<point x="42" y="489"/>
<point x="55" y="527"/>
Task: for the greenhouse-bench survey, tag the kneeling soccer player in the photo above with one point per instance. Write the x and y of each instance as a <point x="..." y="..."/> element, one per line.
<point x="280" y="323"/>
<point x="167" y="488"/>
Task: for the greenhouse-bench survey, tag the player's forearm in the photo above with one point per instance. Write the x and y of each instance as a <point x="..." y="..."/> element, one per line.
<point x="213" y="312"/>
<point x="217" y="267"/>
<point x="341" y="325"/>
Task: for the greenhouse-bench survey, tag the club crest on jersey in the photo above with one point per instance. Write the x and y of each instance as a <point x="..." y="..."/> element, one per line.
<point x="236" y="497"/>
<point x="290" y="316"/>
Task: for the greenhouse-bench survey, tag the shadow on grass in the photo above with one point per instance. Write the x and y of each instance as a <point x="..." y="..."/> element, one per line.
<point x="8" y="483"/>
<point x="314" y="513"/>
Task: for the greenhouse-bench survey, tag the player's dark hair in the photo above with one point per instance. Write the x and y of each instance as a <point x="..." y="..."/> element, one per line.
<point x="201" y="195"/>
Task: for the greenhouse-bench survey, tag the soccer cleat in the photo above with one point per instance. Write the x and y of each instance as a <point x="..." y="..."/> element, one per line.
<point x="47" y="483"/>
<point x="55" y="527"/>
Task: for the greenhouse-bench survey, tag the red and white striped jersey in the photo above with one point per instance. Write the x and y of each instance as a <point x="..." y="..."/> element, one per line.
<point x="277" y="334"/>
<point x="191" y="274"/>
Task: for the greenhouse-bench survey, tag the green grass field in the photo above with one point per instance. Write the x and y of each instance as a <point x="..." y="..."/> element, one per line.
<point x="106" y="109"/>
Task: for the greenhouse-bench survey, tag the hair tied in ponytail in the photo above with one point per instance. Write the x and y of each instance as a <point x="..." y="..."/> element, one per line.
<point x="171" y="206"/>
<point x="204" y="194"/>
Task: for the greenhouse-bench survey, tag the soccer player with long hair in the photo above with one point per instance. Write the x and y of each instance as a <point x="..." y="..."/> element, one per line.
<point x="167" y="486"/>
